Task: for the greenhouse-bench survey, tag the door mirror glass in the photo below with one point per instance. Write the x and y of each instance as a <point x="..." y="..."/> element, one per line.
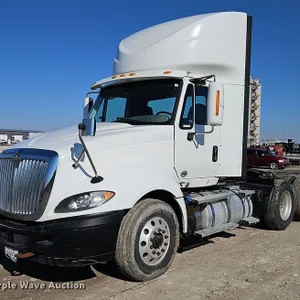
<point x="215" y="104"/>
<point x="88" y="127"/>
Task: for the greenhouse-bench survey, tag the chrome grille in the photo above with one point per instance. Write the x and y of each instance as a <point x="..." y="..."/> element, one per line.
<point x="23" y="181"/>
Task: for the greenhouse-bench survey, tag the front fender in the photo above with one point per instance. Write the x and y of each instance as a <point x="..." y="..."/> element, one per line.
<point x="130" y="172"/>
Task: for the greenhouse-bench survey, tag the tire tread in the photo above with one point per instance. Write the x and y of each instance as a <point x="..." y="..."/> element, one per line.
<point x="126" y="242"/>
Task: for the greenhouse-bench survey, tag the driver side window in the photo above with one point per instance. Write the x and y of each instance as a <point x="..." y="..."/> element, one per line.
<point x="187" y="114"/>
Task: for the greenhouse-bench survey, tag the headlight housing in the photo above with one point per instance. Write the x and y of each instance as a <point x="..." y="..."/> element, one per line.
<point x="83" y="201"/>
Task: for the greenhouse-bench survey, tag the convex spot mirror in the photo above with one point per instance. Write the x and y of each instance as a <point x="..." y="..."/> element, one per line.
<point x="215" y="104"/>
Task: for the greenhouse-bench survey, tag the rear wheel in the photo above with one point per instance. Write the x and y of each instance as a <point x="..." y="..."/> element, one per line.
<point x="296" y="185"/>
<point x="148" y="240"/>
<point x="281" y="206"/>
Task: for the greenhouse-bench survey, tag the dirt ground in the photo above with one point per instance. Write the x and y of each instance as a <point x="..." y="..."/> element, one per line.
<point x="246" y="263"/>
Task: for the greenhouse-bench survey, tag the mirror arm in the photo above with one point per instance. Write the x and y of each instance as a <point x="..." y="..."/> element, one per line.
<point x="190" y="135"/>
<point x="96" y="178"/>
<point x="91" y="93"/>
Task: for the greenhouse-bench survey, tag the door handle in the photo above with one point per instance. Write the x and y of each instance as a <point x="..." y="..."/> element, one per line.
<point x="215" y="153"/>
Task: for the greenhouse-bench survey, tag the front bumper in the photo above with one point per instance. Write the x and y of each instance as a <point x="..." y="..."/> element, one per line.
<point x="73" y="241"/>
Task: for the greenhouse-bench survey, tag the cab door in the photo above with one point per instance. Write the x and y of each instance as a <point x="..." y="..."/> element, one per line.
<point x="196" y="152"/>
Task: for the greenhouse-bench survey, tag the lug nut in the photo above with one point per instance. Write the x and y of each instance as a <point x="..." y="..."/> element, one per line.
<point x="166" y="237"/>
<point x="163" y="250"/>
<point x="153" y="252"/>
<point x="166" y="244"/>
<point x="159" y="230"/>
<point x="151" y="247"/>
<point x="163" y="231"/>
<point x="151" y="239"/>
<point x="158" y="253"/>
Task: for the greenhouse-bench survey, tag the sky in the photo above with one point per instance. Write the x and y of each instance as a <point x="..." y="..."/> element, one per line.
<point x="52" y="51"/>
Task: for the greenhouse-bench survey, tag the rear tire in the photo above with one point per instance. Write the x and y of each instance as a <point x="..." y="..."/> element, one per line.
<point x="281" y="206"/>
<point x="296" y="185"/>
<point x="148" y="240"/>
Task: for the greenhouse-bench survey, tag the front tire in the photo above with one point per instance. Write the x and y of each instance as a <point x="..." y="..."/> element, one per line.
<point x="148" y="240"/>
<point x="281" y="206"/>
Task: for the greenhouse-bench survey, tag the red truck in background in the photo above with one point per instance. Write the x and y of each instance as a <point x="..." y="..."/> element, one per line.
<point x="277" y="150"/>
<point x="258" y="157"/>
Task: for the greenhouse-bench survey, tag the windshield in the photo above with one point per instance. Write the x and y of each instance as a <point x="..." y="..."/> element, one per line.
<point x="138" y="102"/>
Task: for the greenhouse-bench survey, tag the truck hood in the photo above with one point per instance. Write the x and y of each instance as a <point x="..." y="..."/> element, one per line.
<point x="108" y="136"/>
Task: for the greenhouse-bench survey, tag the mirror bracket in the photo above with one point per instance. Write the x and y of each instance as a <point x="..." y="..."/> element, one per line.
<point x="191" y="135"/>
<point x="202" y="80"/>
<point x="87" y="127"/>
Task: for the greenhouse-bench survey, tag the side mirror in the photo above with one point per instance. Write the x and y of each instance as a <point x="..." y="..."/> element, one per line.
<point x="215" y="104"/>
<point x="87" y="127"/>
<point x="88" y="104"/>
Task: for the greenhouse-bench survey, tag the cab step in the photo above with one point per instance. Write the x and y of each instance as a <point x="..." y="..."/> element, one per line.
<point x="216" y="229"/>
<point x="250" y="220"/>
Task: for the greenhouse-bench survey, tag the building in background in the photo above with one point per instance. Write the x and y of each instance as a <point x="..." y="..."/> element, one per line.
<point x="254" y="110"/>
<point x="11" y="136"/>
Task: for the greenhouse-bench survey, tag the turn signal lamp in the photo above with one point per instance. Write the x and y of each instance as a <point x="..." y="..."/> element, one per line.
<point x="217" y="103"/>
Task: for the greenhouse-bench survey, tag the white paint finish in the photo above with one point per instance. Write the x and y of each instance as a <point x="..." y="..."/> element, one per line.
<point x="3" y="137"/>
<point x="231" y="132"/>
<point x="203" y="44"/>
<point x="17" y="137"/>
<point x="195" y="157"/>
<point x="148" y="74"/>
<point x="134" y="160"/>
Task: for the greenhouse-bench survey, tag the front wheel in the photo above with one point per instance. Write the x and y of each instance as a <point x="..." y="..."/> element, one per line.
<point x="148" y="240"/>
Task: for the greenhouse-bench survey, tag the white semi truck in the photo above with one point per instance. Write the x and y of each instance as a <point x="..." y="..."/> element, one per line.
<point x="159" y="156"/>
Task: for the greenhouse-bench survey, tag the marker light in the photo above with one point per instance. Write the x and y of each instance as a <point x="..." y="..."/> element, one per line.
<point x="167" y="72"/>
<point x="217" y="103"/>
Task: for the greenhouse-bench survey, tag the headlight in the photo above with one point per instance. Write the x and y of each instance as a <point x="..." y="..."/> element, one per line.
<point x="83" y="201"/>
<point x="281" y="160"/>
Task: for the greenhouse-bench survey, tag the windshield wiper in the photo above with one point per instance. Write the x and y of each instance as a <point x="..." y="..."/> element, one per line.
<point x="128" y="120"/>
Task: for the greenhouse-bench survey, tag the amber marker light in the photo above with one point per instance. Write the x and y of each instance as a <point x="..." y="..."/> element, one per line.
<point x="217" y="103"/>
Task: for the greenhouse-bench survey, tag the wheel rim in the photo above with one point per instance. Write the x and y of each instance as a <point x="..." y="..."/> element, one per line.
<point x="154" y="241"/>
<point x="273" y="165"/>
<point x="285" y="205"/>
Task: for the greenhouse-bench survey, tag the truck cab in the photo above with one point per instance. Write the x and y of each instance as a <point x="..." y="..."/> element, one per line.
<point x="149" y="162"/>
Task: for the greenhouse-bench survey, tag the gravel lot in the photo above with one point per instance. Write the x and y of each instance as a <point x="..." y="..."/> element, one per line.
<point x="247" y="263"/>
